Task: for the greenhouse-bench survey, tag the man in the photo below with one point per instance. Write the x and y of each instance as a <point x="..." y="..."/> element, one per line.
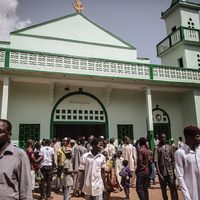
<point x="31" y="156"/>
<point x="93" y="161"/>
<point x="142" y="171"/>
<point x="187" y="159"/>
<point x="164" y="160"/>
<point x="156" y="140"/>
<point x="129" y="153"/>
<point x="15" y="173"/>
<point x="47" y="162"/>
<point x="60" y="163"/>
<point x="79" y="150"/>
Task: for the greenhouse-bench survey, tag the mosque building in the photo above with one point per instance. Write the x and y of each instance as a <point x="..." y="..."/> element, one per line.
<point x="69" y="77"/>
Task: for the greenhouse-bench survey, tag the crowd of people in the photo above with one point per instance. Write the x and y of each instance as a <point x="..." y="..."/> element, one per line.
<point x="95" y="167"/>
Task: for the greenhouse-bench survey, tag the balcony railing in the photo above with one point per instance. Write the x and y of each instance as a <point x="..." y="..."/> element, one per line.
<point x="43" y="62"/>
<point x="181" y="34"/>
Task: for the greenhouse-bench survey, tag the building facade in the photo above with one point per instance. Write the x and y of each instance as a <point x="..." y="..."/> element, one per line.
<point x="69" y="77"/>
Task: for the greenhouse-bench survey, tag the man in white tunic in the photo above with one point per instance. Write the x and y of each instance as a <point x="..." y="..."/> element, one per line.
<point x="93" y="161"/>
<point x="187" y="160"/>
<point x="129" y="153"/>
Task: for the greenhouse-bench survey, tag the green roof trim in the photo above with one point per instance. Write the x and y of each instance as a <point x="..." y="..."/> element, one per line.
<point x="4" y="42"/>
<point x="73" y="41"/>
<point x="72" y="15"/>
<point x="180" y="3"/>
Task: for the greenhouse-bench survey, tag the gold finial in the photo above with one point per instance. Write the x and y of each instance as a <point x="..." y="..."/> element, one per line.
<point x="78" y="6"/>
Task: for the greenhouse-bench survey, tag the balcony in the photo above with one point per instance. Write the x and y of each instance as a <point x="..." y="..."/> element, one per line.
<point x="14" y="61"/>
<point x="181" y="34"/>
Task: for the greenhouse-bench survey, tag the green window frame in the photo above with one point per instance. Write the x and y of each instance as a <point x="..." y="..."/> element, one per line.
<point x="28" y="131"/>
<point x="125" y="130"/>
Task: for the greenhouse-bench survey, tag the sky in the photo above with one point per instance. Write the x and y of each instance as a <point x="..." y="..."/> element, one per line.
<point x="137" y="22"/>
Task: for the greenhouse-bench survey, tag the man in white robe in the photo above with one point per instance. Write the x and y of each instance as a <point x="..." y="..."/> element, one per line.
<point x="187" y="162"/>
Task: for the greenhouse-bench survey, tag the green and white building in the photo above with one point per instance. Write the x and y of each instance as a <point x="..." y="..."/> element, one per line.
<point x="70" y="77"/>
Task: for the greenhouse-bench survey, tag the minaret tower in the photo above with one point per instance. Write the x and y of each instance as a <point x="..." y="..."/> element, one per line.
<point x="181" y="48"/>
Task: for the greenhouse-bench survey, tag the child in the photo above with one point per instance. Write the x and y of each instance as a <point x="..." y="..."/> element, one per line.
<point x="68" y="170"/>
<point x="126" y="175"/>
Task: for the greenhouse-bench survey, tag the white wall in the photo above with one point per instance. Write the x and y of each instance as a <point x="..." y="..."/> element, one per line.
<point x="193" y="14"/>
<point x="174" y="19"/>
<point x="29" y="103"/>
<point x="188" y="108"/>
<point x="172" y="56"/>
<point x="191" y="56"/>
<point x="170" y="103"/>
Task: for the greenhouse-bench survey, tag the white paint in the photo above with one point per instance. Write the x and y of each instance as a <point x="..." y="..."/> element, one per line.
<point x="149" y="109"/>
<point x="5" y="95"/>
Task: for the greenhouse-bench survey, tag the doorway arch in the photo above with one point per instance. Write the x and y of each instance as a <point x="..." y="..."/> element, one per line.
<point x="76" y="122"/>
<point x="161" y="122"/>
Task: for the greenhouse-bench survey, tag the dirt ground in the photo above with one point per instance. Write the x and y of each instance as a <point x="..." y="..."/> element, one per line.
<point x="154" y="194"/>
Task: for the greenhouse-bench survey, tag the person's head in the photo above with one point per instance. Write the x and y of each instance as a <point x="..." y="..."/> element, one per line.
<point x="82" y="140"/>
<point x="37" y="145"/>
<point x="125" y="163"/>
<point x="95" y="143"/>
<point x="47" y="142"/>
<point x="68" y="153"/>
<point x="5" y="131"/>
<point x="162" y="138"/>
<point x="127" y="140"/>
<point x="105" y="143"/>
<point x="156" y="136"/>
<point x="119" y="153"/>
<point x="180" y="139"/>
<point x="112" y="140"/>
<point x="105" y="153"/>
<point x="72" y="142"/>
<point x="101" y="138"/>
<point x="142" y="141"/>
<point x="30" y="143"/>
<point x="192" y="135"/>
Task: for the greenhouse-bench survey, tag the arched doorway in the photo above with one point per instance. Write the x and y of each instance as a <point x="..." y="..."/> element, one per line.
<point x="78" y="114"/>
<point x="161" y="122"/>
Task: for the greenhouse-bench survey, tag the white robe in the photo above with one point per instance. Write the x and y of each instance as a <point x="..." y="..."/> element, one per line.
<point x="129" y="153"/>
<point x="187" y="163"/>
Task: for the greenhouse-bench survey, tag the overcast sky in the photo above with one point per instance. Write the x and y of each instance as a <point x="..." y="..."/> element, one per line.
<point x="135" y="21"/>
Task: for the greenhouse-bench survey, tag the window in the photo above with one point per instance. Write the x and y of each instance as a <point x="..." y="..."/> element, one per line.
<point x="180" y="62"/>
<point x="28" y="131"/>
<point x="173" y="29"/>
<point x="124" y="130"/>
<point x="190" y="23"/>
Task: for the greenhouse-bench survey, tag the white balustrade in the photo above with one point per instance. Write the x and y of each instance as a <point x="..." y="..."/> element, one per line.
<point x="163" y="46"/>
<point x="176" y="75"/>
<point x="191" y="35"/>
<point x="175" y="37"/>
<point x="54" y="63"/>
<point x="2" y="58"/>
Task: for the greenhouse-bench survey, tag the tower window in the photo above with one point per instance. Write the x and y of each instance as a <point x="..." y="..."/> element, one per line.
<point x="180" y="62"/>
<point x="190" y="23"/>
<point x="173" y="29"/>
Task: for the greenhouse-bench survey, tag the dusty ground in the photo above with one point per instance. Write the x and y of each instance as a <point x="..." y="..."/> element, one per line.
<point x="154" y="194"/>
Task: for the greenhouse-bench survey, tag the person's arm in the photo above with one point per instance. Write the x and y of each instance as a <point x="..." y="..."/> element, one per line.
<point x="179" y="163"/>
<point x="156" y="163"/>
<point x="24" y="177"/>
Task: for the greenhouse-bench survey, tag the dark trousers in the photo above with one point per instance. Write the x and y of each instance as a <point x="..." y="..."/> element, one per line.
<point x="142" y="182"/>
<point x="170" y="181"/>
<point x="47" y="178"/>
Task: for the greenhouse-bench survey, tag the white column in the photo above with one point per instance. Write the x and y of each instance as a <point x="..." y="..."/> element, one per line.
<point x="197" y="106"/>
<point x="149" y="109"/>
<point x="5" y="94"/>
<point x="149" y="116"/>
